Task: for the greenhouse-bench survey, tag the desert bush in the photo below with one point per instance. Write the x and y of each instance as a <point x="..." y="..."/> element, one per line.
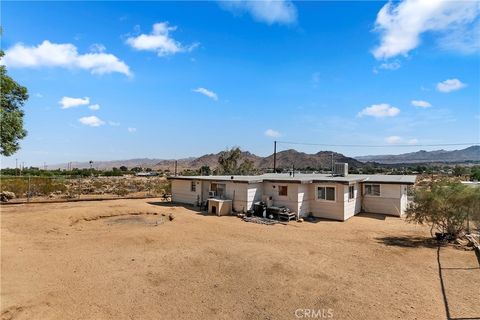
<point x="38" y="186"/>
<point x="444" y="206"/>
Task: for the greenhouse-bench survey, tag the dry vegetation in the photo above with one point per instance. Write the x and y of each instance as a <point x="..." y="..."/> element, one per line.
<point x="42" y="188"/>
<point x="124" y="259"/>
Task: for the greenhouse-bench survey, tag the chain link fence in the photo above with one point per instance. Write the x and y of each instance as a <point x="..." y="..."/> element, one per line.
<point x="36" y="189"/>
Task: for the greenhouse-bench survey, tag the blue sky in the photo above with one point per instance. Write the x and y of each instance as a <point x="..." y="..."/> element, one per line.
<point x="178" y="79"/>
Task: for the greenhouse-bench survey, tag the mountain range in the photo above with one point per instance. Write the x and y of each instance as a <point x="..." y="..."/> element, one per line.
<point x="437" y="156"/>
<point x="289" y="158"/>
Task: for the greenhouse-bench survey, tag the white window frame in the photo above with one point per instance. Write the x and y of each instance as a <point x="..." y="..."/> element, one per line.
<point x="216" y="188"/>
<point x="283" y="195"/>
<point x="372" y="194"/>
<point x="193" y="186"/>
<point x="353" y="193"/>
<point x="325" y="187"/>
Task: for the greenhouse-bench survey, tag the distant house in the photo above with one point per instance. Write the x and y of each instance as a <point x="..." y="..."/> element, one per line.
<point x="336" y="197"/>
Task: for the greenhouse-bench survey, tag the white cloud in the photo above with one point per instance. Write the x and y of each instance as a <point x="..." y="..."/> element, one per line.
<point x="421" y="103"/>
<point x="393" y="139"/>
<point x="113" y="123"/>
<point x="207" y="93"/>
<point x="38" y="95"/>
<point x="401" y="24"/>
<point x="132" y="130"/>
<point x="91" y="121"/>
<point x="394" y="65"/>
<point x="397" y="140"/>
<point x="98" y="47"/>
<point x="268" y="11"/>
<point x="68" y="102"/>
<point x="48" y="54"/>
<point x="159" y="41"/>
<point x="94" y="106"/>
<point x="272" y="133"/>
<point x="379" y="111"/>
<point x="450" y="85"/>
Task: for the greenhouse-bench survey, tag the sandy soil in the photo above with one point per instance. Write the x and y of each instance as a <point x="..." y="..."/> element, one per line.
<point x="73" y="261"/>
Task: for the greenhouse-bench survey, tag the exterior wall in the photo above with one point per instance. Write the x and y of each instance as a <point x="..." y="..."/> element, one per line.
<point x="181" y="191"/>
<point x="301" y="198"/>
<point x="290" y="200"/>
<point x="391" y="200"/>
<point x="352" y="206"/>
<point x="328" y="209"/>
<point x="304" y="198"/>
<point x="238" y="193"/>
<point x="254" y="194"/>
<point x="404" y="199"/>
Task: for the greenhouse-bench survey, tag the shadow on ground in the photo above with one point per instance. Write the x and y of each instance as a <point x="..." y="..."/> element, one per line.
<point x="375" y="216"/>
<point x="408" y="242"/>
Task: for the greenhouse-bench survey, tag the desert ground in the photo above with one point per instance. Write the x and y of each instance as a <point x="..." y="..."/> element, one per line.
<point x="124" y="259"/>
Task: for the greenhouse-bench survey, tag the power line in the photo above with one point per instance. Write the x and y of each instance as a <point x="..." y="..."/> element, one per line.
<point x="380" y="145"/>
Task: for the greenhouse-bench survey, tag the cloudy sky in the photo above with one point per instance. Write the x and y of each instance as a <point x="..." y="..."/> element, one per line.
<point x="118" y="80"/>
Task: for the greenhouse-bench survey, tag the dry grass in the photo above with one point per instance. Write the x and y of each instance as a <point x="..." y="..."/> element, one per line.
<point x="94" y="260"/>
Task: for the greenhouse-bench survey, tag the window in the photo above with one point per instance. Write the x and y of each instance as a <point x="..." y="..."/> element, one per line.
<point x="282" y="190"/>
<point x="219" y="189"/>
<point x="372" y="189"/>
<point x="326" y="193"/>
<point x="351" y="192"/>
<point x="193" y="186"/>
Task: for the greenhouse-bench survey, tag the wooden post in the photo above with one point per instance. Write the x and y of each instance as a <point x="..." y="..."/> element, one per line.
<point x="274" y="156"/>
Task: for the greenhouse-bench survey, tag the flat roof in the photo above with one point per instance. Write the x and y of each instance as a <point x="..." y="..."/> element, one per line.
<point x="307" y="178"/>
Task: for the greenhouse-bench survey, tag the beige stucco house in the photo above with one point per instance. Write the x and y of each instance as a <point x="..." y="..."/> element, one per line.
<point x="322" y="195"/>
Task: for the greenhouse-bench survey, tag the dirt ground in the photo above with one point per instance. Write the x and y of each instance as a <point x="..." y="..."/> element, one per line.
<point x="122" y="259"/>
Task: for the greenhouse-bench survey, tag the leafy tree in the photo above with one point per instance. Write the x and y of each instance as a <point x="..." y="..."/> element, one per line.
<point x="205" y="170"/>
<point x="475" y="174"/>
<point x="123" y="168"/>
<point x="459" y="171"/>
<point x="247" y="167"/>
<point x="228" y="160"/>
<point x="444" y="206"/>
<point x="229" y="163"/>
<point x="13" y="97"/>
<point x="136" y="169"/>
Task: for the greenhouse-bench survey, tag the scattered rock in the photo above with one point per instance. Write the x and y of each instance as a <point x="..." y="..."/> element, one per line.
<point x="171" y="216"/>
<point x="260" y="220"/>
<point x="5" y="196"/>
<point x="300" y="220"/>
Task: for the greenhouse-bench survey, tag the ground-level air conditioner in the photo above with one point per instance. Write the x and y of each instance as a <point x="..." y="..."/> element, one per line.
<point x="211" y="194"/>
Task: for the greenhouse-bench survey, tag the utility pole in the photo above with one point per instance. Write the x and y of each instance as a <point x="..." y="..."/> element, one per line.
<point x="16" y="167"/>
<point x="175" y="168"/>
<point x="332" y="163"/>
<point x="275" y="156"/>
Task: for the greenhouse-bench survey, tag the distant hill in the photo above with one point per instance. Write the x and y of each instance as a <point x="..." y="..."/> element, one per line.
<point x="101" y="165"/>
<point x="468" y="154"/>
<point x="289" y="158"/>
<point x="285" y="159"/>
<point x="322" y="159"/>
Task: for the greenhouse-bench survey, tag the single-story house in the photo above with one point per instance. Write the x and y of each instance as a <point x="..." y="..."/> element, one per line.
<point x="336" y="197"/>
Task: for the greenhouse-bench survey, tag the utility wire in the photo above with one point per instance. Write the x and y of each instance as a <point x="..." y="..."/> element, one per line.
<point x="380" y="145"/>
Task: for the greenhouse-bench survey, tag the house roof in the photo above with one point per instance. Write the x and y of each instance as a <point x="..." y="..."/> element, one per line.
<point x="307" y="178"/>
